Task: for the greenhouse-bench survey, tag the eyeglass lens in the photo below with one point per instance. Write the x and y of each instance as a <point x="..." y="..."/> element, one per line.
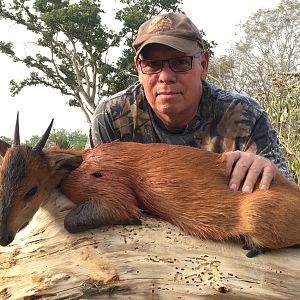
<point x="177" y="64"/>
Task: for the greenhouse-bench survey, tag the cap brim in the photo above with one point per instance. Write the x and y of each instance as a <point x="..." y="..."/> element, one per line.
<point x="185" y="46"/>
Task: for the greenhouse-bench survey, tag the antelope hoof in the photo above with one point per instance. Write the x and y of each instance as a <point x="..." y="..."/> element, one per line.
<point x="79" y="218"/>
<point x="85" y="216"/>
<point x="135" y="221"/>
<point x="257" y="250"/>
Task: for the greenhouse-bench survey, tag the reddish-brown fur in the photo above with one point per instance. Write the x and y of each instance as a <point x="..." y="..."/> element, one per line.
<point x="187" y="187"/>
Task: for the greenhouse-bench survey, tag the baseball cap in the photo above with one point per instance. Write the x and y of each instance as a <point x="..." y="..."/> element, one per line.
<point x="175" y="30"/>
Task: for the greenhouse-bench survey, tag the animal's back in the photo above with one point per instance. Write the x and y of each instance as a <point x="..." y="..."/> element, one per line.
<point x="180" y="184"/>
<point x="183" y="185"/>
<point x="191" y="183"/>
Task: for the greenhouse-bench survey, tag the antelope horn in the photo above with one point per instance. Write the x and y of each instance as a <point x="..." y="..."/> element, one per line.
<point x="41" y="143"/>
<point x="17" y="133"/>
<point x="91" y="139"/>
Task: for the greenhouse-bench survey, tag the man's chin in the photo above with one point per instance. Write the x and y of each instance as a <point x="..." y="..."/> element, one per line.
<point x="168" y="111"/>
<point x="170" y="106"/>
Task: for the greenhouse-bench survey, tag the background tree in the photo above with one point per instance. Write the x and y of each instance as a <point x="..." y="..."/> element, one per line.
<point x="71" y="42"/>
<point x="283" y="107"/>
<point x="264" y="64"/>
<point x="73" y="46"/>
<point x="63" y="139"/>
<point x="268" y="45"/>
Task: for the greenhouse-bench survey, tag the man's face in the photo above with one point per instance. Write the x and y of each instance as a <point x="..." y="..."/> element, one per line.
<point x="174" y="97"/>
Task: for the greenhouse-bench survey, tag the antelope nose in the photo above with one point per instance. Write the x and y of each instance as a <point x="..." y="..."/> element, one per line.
<point x="7" y="239"/>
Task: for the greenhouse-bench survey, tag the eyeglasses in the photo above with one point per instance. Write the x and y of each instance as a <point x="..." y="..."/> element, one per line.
<point x="176" y="64"/>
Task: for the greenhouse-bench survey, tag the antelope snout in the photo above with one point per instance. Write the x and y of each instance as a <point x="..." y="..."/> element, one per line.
<point x="6" y="238"/>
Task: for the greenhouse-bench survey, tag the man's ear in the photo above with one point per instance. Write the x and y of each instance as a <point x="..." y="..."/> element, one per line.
<point x="3" y="147"/>
<point x="64" y="161"/>
<point x="137" y="66"/>
<point x="136" y="63"/>
<point x="204" y="61"/>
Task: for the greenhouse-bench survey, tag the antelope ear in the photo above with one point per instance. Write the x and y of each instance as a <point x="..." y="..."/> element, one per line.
<point x="64" y="161"/>
<point x="3" y="147"/>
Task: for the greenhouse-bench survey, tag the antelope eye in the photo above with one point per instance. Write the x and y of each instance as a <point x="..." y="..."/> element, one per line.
<point x="30" y="193"/>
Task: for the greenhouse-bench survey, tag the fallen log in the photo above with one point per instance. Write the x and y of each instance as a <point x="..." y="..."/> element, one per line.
<point x="154" y="260"/>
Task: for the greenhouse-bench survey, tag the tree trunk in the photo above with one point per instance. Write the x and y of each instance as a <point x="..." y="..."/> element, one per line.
<point x="152" y="261"/>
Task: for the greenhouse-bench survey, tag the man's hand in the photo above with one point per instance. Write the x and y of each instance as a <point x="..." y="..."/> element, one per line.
<point x="248" y="167"/>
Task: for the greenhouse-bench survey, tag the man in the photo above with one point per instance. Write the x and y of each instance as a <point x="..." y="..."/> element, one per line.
<point x="173" y="103"/>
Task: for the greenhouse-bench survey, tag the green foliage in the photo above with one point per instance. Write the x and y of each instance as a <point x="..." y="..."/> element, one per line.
<point x="6" y="139"/>
<point x="63" y="139"/>
<point x="268" y="44"/>
<point x="71" y="41"/>
<point x="283" y="107"/>
<point x="73" y="46"/>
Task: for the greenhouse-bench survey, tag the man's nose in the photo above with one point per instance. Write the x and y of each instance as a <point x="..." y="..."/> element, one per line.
<point x="166" y="74"/>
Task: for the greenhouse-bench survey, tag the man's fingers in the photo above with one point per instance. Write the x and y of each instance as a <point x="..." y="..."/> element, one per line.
<point x="240" y="171"/>
<point x="248" y="168"/>
<point x="253" y="174"/>
<point x="267" y="177"/>
<point x="230" y="159"/>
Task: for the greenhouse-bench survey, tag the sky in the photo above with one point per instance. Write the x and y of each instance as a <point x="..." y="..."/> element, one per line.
<point x="37" y="105"/>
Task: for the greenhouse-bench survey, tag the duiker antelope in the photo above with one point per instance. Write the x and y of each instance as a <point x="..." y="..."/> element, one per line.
<point x="114" y="182"/>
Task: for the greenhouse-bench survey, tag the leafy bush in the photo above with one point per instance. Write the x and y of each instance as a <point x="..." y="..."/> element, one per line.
<point x="283" y="107"/>
<point x="63" y="139"/>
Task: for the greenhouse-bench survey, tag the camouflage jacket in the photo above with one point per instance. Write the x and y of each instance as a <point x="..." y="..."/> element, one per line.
<point x="225" y="121"/>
